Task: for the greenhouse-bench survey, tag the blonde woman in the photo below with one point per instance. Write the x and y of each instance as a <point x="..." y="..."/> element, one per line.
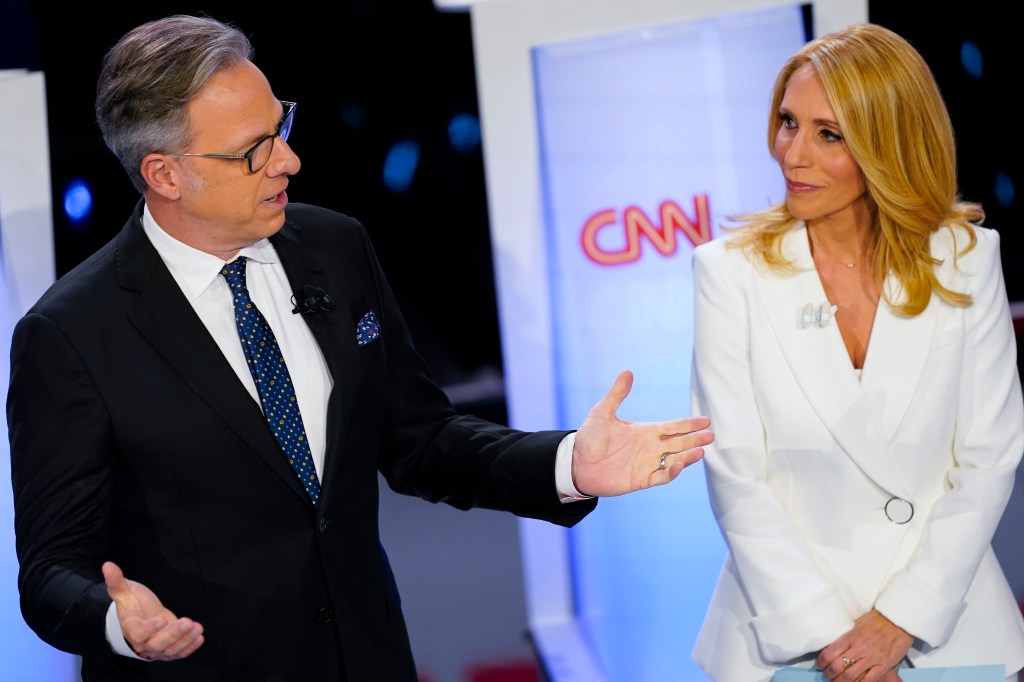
<point x="855" y="350"/>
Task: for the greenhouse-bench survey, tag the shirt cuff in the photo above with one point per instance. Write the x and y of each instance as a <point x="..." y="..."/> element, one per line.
<point x="563" y="471"/>
<point x="116" y="637"/>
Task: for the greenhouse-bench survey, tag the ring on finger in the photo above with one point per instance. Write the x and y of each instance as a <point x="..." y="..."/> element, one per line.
<point x="661" y="462"/>
<point x="848" y="662"/>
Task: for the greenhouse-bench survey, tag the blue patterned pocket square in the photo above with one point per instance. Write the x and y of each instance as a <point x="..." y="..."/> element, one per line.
<point x="367" y="329"/>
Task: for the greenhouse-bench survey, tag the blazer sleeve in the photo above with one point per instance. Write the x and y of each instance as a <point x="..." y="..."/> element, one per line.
<point x="928" y="595"/>
<point x="429" y="451"/>
<point x="61" y="464"/>
<point x="796" y="608"/>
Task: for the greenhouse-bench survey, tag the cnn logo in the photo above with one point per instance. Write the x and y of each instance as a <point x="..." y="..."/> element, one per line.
<point x="636" y="226"/>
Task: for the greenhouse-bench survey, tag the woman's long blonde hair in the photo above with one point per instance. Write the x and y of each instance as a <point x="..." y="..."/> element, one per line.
<point x="896" y="126"/>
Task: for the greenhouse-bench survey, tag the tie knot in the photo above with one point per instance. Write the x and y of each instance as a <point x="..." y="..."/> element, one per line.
<point x="235" y="270"/>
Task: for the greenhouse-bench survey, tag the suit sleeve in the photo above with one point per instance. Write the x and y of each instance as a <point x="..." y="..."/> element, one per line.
<point x="429" y="451"/>
<point x="927" y="597"/>
<point x="61" y="452"/>
<point x="796" y="608"/>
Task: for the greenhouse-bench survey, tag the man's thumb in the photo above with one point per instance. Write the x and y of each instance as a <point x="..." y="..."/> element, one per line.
<point x="114" y="578"/>
<point x="616" y="394"/>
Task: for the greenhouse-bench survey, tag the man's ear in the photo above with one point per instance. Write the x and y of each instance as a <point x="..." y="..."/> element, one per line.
<point x="162" y="175"/>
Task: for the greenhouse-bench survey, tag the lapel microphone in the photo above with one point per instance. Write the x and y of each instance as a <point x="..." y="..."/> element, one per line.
<point x="819" y="316"/>
<point x="314" y="300"/>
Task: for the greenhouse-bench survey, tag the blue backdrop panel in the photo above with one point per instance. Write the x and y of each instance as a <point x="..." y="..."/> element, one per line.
<point x="649" y="138"/>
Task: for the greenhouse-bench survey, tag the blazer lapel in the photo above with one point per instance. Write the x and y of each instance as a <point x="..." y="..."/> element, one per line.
<point x="821" y="365"/>
<point x="164" y="317"/>
<point x="896" y="358"/>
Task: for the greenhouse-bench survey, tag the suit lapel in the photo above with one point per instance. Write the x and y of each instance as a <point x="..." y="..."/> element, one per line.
<point x="334" y="332"/>
<point x="821" y="365"/>
<point x="164" y="317"/>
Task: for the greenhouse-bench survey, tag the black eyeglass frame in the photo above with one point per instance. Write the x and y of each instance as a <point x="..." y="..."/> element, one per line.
<point x="284" y="129"/>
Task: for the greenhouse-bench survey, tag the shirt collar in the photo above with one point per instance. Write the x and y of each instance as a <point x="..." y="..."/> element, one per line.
<point x="193" y="269"/>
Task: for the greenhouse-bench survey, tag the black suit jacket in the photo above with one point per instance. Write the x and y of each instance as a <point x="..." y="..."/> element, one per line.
<point x="133" y="440"/>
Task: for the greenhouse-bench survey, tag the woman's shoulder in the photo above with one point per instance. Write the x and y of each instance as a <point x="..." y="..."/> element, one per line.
<point x="964" y="242"/>
<point x="742" y="247"/>
<point x="959" y="258"/>
<point x="725" y="246"/>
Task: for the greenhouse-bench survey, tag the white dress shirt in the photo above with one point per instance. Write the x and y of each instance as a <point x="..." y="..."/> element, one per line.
<point x="198" y="275"/>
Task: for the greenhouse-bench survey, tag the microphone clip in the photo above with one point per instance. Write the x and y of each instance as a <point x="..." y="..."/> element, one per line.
<point x="314" y="300"/>
<point x="819" y="316"/>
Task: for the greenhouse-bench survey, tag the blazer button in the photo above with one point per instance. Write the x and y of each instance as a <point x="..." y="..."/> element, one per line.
<point x="323" y="525"/>
<point x="324" y="616"/>
<point x="898" y="510"/>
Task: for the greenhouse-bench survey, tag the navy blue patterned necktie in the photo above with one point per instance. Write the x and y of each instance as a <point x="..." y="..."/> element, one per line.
<point x="274" y="384"/>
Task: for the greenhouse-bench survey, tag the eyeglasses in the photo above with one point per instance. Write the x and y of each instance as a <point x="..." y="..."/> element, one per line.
<point x="259" y="154"/>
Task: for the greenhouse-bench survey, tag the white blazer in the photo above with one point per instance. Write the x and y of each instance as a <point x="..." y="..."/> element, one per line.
<point x="835" y="495"/>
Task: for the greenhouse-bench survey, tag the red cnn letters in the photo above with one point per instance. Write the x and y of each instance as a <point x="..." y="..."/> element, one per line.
<point x="636" y="223"/>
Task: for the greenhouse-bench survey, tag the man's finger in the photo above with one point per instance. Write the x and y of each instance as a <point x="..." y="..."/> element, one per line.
<point x="684" y="460"/>
<point x="616" y="394"/>
<point x="683" y="427"/>
<point x="687" y="441"/>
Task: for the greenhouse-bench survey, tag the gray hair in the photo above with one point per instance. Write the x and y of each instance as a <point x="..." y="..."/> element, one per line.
<point x="148" y="78"/>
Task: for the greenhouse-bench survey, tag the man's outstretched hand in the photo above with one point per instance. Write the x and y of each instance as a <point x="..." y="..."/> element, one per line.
<point x="614" y="457"/>
<point x="151" y="630"/>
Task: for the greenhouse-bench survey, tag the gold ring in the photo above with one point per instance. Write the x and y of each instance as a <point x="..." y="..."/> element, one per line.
<point x="661" y="464"/>
<point x="848" y="663"/>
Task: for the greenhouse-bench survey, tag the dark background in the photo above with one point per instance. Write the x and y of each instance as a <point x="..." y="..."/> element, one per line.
<point x="368" y="73"/>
